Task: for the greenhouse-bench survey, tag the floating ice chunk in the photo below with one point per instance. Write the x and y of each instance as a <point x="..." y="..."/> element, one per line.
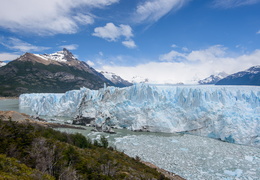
<point x="249" y="158"/>
<point x="184" y="149"/>
<point x="174" y="141"/>
<point x="236" y="173"/>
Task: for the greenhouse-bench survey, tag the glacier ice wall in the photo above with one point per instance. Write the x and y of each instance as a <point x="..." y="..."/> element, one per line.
<point x="229" y="113"/>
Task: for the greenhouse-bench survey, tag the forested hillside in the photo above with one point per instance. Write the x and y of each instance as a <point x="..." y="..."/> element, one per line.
<point x="58" y="155"/>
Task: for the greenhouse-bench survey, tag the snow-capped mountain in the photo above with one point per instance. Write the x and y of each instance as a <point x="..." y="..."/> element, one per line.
<point x="250" y="76"/>
<point x="117" y="80"/>
<point x="213" y="79"/>
<point x="60" y="56"/>
<point x="57" y="72"/>
<point x="2" y="64"/>
<point x="227" y="113"/>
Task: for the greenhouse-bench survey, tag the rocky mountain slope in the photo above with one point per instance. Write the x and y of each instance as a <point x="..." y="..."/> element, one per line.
<point x="250" y="76"/>
<point x="117" y="80"/>
<point x="57" y="72"/>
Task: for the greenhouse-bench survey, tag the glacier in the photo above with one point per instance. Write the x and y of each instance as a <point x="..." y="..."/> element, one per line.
<point x="228" y="113"/>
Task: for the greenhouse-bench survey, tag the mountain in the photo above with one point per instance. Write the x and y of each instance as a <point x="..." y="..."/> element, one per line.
<point x="117" y="80"/>
<point x="56" y="73"/>
<point x="250" y="76"/>
<point x="213" y="79"/>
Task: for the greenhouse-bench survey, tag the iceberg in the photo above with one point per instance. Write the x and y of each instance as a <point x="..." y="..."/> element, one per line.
<point x="228" y="113"/>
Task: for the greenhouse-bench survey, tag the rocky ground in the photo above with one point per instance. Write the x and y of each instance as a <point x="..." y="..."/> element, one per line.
<point x="1" y="98"/>
<point x="24" y="118"/>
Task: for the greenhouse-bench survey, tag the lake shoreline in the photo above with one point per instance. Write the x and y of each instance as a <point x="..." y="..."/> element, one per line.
<point x="3" y="98"/>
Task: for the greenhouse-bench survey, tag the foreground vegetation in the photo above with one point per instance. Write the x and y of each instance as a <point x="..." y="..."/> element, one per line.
<point x="36" y="152"/>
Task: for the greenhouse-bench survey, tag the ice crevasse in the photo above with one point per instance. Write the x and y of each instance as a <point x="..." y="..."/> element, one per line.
<point x="229" y="113"/>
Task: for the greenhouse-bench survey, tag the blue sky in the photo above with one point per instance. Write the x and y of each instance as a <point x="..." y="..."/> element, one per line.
<point x="167" y="41"/>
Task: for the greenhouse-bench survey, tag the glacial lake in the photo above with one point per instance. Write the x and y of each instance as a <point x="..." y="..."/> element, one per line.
<point x="192" y="157"/>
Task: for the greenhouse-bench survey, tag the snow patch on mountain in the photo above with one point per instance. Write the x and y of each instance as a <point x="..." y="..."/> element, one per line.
<point x="60" y="56"/>
<point x="213" y="78"/>
<point x="117" y="80"/>
<point x="250" y="76"/>
<point x="252" y="70"/>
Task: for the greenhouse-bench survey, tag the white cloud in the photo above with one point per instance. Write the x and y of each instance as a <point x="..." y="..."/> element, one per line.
<point x="129" y="44"/>
<point x="174" y="46"/>
<point x="48" y="17"/>
<point x="17" y="44"/>
<point x="70" y="46"/>
<point x="233" y="3"/>
<point x="258" y="32"/>
<point x="84" y="19"/>
<point x="110" y="32"/>
<point x="90" y="63"/>
<point x="194" y="66"/>
<point x="101" y="53"/>
<point x="208" y="54"/>
<point x="8" y="56"/>
<point x="172" y="56"/>
<point x="153" y="10"/>
<point x="185" y="49"/>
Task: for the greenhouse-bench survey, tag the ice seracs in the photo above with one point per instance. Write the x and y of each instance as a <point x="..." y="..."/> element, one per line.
<point x="228" y="113"/>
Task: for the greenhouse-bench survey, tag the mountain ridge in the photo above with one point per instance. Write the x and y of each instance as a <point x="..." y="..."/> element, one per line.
<point x="250" y="76"/>
<point x="213" y="79"/>
<point x="56" y="73"/>
<point x="117" y="80"/>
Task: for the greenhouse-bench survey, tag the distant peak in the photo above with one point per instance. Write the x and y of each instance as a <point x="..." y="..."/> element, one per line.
<point x="66" y="51"/>
<point x="68" y="55"/>
<point x="61" y="56"/>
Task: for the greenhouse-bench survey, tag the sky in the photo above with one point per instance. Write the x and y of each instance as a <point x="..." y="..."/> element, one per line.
<point x="166" y="41"/>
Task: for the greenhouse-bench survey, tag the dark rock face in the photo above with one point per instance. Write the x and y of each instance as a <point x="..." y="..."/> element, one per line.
<point x="32" y="73"/>
<point x="250" y="76"/>
<point x="83" y="121"/>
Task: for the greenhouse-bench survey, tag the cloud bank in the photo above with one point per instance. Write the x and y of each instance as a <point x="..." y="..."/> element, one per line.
<point x="19" y="45"/>
<point x="8" y="56"/>
<point x="233" y="3"/>
<point x="70" y="46"/>
<point x="48" y="17"/>
<point x="188" y="68"/>
<point x="152" y="10"/>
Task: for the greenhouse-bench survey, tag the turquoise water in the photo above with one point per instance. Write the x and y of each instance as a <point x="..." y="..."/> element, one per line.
<point x="9" y="105"/>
